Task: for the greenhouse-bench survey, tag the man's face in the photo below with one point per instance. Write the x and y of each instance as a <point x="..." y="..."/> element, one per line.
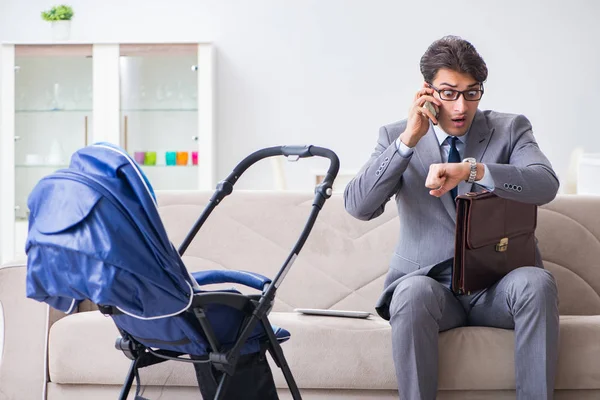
<point x="455" y="116"/>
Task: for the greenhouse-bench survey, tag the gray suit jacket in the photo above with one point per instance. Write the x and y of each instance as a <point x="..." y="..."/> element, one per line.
<point x="504" y="142"/>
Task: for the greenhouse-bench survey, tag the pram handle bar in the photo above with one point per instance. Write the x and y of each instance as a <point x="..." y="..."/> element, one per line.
<point x="300" y="151"/>
<point x="250" y="279"/>
<point x="225" y="187"/>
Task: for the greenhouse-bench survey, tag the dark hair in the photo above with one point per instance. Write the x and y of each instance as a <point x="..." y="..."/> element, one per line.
<point x="454" y="53"/>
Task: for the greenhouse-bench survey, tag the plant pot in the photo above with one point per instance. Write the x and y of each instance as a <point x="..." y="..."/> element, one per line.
<point x="61" y="30"/>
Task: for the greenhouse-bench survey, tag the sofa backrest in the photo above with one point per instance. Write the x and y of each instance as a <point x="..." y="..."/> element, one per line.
<point x="344" y="261"/>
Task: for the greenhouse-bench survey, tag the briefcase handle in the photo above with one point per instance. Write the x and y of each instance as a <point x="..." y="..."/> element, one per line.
<point x="475" y="195"/>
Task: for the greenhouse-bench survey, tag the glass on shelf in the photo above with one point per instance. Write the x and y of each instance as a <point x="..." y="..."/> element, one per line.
<point x="150" y="158"/>
<point x="56" y="102"/>
<point x="171" y="158"/>
<point x="182" y="157"/>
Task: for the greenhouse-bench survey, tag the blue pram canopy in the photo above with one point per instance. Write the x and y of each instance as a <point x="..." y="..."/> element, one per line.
<point x="120" y="257"/>
<point x="95" y="233"/>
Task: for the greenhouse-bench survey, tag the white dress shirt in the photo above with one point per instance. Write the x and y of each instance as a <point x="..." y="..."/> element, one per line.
<point x="444" y="141"/>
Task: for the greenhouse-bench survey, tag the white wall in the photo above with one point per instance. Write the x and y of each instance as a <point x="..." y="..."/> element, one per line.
<point x="330" y="72"/>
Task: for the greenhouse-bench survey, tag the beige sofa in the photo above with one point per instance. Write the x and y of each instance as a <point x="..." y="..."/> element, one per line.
<point x="341" y="267"/>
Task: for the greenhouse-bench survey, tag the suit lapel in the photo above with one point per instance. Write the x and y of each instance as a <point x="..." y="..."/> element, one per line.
<point x="428" y="151"/>
<point x="477" y="143"/>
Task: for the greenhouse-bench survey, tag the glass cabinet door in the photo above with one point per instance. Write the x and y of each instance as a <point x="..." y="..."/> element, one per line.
<point x="159" y="112"/>
<point x="53" y="116"/>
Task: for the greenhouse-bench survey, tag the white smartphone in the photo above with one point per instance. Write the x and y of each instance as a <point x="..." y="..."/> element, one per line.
<point x="430" y="107"/>
<point x="333" y="313"/>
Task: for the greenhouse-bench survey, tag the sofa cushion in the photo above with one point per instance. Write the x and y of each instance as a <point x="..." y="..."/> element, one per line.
<point x="329" y="352"/>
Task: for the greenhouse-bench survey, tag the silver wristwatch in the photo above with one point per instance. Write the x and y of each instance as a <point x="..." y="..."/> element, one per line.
<point x="473" y="172"/>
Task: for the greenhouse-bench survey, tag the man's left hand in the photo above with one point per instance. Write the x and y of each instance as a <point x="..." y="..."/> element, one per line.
<point x="444" y="177"/>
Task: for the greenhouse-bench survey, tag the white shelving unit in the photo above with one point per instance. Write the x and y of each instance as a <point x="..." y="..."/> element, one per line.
<point x="146" y="97"/>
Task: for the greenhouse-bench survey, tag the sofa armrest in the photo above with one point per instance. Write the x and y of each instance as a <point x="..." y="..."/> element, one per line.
<point x="23" y="363"/>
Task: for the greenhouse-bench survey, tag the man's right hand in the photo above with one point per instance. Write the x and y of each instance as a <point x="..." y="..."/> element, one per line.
<point x="419" y="116"/>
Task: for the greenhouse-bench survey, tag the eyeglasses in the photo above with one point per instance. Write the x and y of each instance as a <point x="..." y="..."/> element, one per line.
<point x="451" y="94"/>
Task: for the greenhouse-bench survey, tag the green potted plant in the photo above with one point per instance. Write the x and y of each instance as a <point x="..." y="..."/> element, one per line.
<point x="60" y="17"/>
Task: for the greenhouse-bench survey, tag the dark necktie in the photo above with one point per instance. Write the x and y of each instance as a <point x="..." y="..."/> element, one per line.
<point x="453" y="157"/>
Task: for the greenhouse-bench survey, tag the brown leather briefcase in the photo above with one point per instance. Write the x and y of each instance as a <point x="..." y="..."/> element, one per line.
<point x="493" y="236"/>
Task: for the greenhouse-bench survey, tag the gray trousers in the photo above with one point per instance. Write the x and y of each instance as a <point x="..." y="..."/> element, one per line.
<point x="525" y="300"/>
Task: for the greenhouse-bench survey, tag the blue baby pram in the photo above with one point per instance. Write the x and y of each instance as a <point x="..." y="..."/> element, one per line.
<point x="95" y="234"/>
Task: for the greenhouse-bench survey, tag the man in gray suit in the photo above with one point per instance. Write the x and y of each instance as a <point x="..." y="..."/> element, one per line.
<point x="418" y="160"/>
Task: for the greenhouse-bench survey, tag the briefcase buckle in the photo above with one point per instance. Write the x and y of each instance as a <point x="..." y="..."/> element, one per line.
<point x="502" y="245"/>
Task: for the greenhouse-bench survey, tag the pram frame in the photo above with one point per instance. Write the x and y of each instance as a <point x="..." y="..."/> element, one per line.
<point x="255" y="307"/>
